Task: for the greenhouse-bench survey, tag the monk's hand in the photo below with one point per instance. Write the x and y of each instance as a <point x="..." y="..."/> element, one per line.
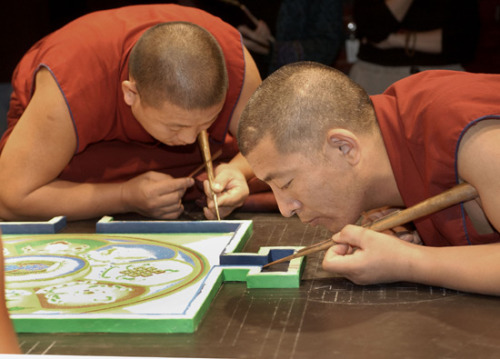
<point x="231" y="189"/>
<point x="368" y="257"/>
<point x="406" y="232"/>
<point x="155" y="194"/>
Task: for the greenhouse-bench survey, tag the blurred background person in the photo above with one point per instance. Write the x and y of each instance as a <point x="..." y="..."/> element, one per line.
<point x="305" y="30"/>
<point x="401" y="37"/>
<point x="278" y="32"/>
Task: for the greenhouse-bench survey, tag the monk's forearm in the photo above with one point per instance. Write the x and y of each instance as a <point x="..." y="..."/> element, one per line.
<point x="473" y="268"/>
<point x="73" y="200"/>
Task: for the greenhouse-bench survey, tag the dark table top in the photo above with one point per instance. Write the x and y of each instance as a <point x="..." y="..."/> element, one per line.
<point x="327" y="317"/>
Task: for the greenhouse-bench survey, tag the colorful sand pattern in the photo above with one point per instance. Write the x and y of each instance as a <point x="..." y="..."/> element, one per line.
<point x="94" y="272"/>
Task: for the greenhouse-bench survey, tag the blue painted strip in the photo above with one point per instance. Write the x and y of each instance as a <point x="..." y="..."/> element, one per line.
<point x="49" y="227"/>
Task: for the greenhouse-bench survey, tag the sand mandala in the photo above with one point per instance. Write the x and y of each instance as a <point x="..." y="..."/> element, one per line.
<point x="95" y="273"/>
<point x="130" y="282"/>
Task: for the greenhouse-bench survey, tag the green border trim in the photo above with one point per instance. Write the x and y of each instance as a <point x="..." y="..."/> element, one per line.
<point x="188" y="323"/>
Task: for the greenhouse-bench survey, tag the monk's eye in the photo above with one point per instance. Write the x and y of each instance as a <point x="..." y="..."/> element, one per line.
<point x="287" y="185"/>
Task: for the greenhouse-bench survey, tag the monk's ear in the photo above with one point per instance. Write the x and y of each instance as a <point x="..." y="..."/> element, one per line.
<point x="344" y="145"/>
<point x="130" y="94"/>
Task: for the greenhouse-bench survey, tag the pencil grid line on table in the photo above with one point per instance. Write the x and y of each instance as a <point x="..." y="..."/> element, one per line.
<point x="322" y="286"/>
<point x="314" y="261"/>
<point x="318" y="285"/>
<point x="299" y="330"/>
<point x="279" y="234"/>
<point x="229" y="322"/>
<point x="264" y="236"/>
<point x="290" y="323"/>
<point x="23" y="344"/>
<point x="280" y="340"/>
<point x="38" y="347"/>
<point x="282" y="332"/>
<point x="279" y="322"/>
<point x="276" y="235"/>
<point x="342" y="291"/>
<point x="48" y="348"/>
<point x="240" y="327"/>
<point x="276" y="335"/>
<point x="268" y="335"/>
<point x="31" y="350"/>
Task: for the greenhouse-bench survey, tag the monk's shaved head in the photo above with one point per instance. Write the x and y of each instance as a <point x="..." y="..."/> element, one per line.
<point x="181" y="63"/>
<point x="297" y="104"/>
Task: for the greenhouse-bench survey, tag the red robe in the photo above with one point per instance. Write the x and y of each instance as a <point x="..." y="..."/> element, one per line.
<point x="423" y="119"/>
<point x="89" y="60"/>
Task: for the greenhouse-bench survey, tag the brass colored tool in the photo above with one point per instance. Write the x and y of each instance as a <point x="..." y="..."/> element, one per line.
<point x="460" y="193"/>
<point x="205" y="150"/>
<point x="202" y="166"/>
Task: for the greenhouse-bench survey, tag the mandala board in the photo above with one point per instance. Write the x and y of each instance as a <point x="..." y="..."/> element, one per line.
<point x="147" y="277"/>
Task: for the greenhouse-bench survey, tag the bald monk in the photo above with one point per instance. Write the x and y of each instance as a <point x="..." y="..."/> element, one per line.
<point x="330" y="152"/>
<point x="105" y="114"/>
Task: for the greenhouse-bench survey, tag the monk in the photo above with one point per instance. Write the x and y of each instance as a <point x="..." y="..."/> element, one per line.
<point x="105" y="114"/>
<point x="330" y="153"/>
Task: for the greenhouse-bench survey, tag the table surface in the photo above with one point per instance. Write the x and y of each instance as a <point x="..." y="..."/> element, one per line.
<point x="328" y="316"/>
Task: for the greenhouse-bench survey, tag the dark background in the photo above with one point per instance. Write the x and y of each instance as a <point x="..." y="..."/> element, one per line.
<point x="24" y="22"/>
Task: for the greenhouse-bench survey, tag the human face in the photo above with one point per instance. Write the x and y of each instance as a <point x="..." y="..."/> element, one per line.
<point x="173" y="125"/>
<point x="319" y="190"/>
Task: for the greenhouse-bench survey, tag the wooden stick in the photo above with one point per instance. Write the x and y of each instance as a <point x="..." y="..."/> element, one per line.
<point x="205" y="150"/>
<point x="460" y="193"/>
<point x="202" y="166"/>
